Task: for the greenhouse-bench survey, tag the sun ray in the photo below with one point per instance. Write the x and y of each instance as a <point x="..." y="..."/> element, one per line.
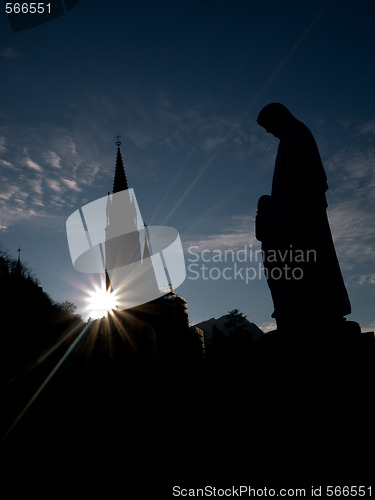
<point x="47" y="379"/>
<point x="100" y="302"/>
<point x="46" y="354"/>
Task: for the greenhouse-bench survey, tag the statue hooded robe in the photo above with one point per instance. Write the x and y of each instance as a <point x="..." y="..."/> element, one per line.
<point x="300" y="261"/>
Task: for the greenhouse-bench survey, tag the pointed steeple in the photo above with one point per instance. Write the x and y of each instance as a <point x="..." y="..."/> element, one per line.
<point x="120" y="183"/>
<point x="19" y="268"/>
<point x="146" y="249"/>
<point x="108" y="284"/>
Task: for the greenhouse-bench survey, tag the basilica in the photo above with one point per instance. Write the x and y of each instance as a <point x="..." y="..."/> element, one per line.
<point x="157" y="331"/>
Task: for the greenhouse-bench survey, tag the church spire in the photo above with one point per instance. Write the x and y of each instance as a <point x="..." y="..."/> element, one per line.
<point x="120" y="183"/>
<point x="19" y="268"/>
<point x="108" y="284"/>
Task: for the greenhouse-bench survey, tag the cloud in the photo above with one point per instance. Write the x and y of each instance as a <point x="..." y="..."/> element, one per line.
<point x="172" y="126"/>
<point x="54" y="185"/>
<point x="367" y="128"/>
<point x="237" y="234"/>
<point x="370" y="327"/>
<point x="8" y="192"/>
<point x="351" y="168"/>
<point x="141" y="137"/>
<point x="351" y="176"/>
<point x="71" y="185"/>
<point x="32" y="180"/>
<point x="14" y="205"/>
<point x="213" y="143"/>
<point x="57" y="201"/>
<point x="34" y="166"/>
<point x="10" y="53"/>
<point x="353" y="231"/>
<point x="366" y="279"/>
<point x="68" y="146"/>
<point x="90" y="173"/>
<point x="52" y="159"/>
<point x="5" y="163"/>
<point x="36" y="186"/>
<point x="268" y="326"/>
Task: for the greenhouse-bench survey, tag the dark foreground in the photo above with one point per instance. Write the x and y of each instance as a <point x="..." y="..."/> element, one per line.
<point x="296" y="412"/>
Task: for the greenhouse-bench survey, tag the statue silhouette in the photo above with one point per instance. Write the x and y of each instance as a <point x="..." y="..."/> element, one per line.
<point x="300" y="261"/>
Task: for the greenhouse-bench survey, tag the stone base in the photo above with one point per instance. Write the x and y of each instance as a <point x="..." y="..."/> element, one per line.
<point x="318" y="349"/>
<point x="323" y="333"/>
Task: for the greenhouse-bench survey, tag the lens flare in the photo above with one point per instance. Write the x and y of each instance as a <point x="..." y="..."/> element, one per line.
<point x="100" y="302"/>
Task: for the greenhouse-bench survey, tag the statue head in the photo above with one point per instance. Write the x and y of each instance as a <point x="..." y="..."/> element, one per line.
<point x="275" y="118"/>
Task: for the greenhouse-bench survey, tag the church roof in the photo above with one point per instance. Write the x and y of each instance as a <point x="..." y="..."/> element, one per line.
<point x="120" y="182"/>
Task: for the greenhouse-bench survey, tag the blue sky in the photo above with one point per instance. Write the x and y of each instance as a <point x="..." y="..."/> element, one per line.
<point x="182" y="82"/>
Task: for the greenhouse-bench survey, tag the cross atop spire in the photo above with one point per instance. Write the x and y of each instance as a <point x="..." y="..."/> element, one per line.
<point x="19" y="268"/>
<point x="120" y="183"/>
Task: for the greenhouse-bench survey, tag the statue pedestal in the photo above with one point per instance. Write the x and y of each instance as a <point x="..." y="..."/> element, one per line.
<point x="318" y="350"/>
<point x="321" y="333"/>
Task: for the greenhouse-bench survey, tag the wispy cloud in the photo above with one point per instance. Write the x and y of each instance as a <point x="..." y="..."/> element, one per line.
<point x="236" y="234"/>
<point x="9" y="192"/>
<point x="5" y="163"/>
<point x="10" y="53"/>
<point x="52" y="159"/>
<point x="351" y="168"/>
<point x="192" y="127"/>
<point x="213" y="143"/>
<point x="36" y="186"/>
<point x="34" y="166"/>
<point x="71" y="184"/>
<point x="370" y="327"/>
<point x="31" y="184"/>
<point x="268" y="326"/>
<point x="351" y="176"/>
<point x="91" y="171"/>
<point x="2" y="144"/>
<point x="54" y="185"/>
<point x="353" y="230"/>
<point x="367" y="128"/>
<point x="362" y="279"/>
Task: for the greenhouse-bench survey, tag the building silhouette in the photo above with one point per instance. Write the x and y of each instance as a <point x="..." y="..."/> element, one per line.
<point x="129" y="267"/>
<point x="121" y="214"/>
<point x="158" y="330"/>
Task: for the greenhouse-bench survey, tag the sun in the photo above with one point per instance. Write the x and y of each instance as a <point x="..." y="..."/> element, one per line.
<point x="100" y="302"/>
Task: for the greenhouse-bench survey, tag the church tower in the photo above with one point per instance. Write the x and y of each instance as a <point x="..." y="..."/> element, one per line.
<point x="129" y="264"/>
<point x="120" y="182"/>
<point x="135" y="271"/>
<point x="122" y="238"/>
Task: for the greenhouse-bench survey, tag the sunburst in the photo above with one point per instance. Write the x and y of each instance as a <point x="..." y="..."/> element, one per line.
<point x="100" y="302"/>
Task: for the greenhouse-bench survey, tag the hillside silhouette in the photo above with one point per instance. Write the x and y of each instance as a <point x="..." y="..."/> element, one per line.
<point x="210" y="325"/>
<point x="31" y="322"/>
<point x="229" y="340"/>
<point x="35" y="332"/>
<point x="263" y="408"/>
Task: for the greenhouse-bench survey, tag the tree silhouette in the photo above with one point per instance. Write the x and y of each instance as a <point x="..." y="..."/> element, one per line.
<point x="235" y="322"/>
<point x="31" y="322"/>
<point x="67" y="307"/>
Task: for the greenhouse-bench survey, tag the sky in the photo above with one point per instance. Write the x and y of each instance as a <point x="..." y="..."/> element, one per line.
<point x="182" y="82"/>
